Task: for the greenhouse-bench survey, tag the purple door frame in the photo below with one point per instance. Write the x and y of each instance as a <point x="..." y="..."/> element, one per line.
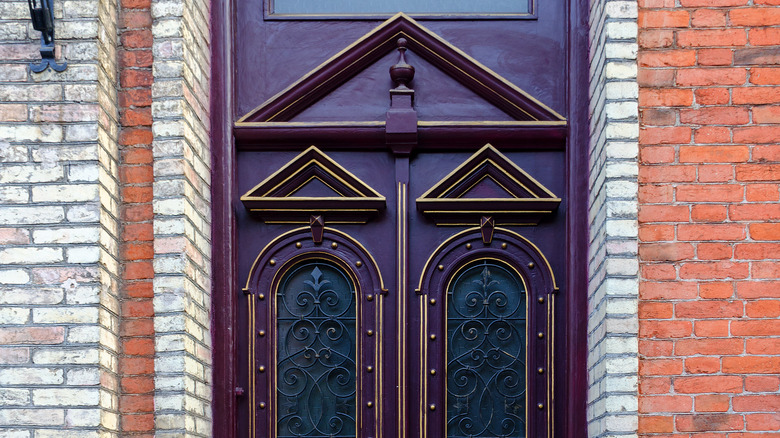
<point x="573" y="391"/>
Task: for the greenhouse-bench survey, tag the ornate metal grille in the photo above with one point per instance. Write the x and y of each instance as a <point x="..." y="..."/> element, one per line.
<point x="486" y="382"/>
<point x="316" y="368"/>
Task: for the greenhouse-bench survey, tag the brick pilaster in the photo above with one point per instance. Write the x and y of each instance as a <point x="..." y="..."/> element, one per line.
<point x="136" y="402"/>
<point x="612" y="265"/>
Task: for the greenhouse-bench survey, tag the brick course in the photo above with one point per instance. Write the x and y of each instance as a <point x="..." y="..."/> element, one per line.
<point x="136" y="363"/>
<point x="708" y="217"/>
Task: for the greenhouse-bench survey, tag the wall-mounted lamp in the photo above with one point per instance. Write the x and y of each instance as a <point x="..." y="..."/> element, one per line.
<point x="42" y="14"/>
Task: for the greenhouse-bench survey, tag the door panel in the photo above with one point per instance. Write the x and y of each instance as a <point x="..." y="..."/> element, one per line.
<point x="400" y="261"/>
<point x="402" y="317"/>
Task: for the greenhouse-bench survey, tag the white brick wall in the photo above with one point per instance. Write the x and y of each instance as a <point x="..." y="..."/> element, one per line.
<point x="182" y="221"/>
<point x="613" y="265"/>
<point x="58" y="226"/>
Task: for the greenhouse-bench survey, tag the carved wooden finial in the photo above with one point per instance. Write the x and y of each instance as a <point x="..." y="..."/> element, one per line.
<point x="401" y="122"/>
<point x="401" y="73"/>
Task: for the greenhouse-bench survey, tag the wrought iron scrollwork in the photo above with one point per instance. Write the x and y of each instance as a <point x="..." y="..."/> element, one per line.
<point x="316" y="371"/>
<point x="486" y="382"/>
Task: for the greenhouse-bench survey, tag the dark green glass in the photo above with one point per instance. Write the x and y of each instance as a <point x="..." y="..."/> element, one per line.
<point x="316" y="363"/>
<point x="486" y="338"/>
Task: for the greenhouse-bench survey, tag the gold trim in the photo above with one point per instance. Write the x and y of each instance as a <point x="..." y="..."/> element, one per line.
<point x="341" y="234"/>
<point x="338" y="124"/>
<point x="380" y="365"/>
<point x="271" y="328"/>
<point x="493" y="163"/>
<point x="420" y="123"/>
<point x="251" y="374"/>
<point x="402" y="279"/>
<point x="468" y="224"/>
<point x="550" y="364"/>
<point x="314" y="199"/>
<point x="423" y="29"/>
<point x="524" y="200"/>
<point x="319" y="158"/>
<point x="471" y="160"/>
<point x="483" y="67"/>
<point x="293" y="222"/>
<point x="469" y="123"/>
<point x="320" y="67"/>
<point x="311" y="178"/>
<point x="293" y="210"/>
<point x="359" y="396"/>
<point x="454" y="237"/>
<point x="482" y="178"/>
<point x="273" y="385"/>
<point x="424" y="354"/>
<point x="477" y="81"/>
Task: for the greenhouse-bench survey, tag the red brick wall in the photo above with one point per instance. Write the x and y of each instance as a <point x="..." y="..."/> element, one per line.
<point x="136" y="362"/>
<point x="709" y="76"/>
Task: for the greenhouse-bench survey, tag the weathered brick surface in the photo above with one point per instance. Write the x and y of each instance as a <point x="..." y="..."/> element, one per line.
<point x="709" y="218"/>
<point x="613" y="267"/>
<point x="58" y="225"/>
<point x="136" y="361"/>
<point x="182" y="217"/>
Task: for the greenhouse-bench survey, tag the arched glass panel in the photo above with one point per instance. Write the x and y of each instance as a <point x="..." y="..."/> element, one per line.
<point x="316" y="357"/>
<point x="486" y="353"/>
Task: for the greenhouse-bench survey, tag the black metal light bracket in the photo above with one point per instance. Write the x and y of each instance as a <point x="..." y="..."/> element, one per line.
<point x="42" y="15"/>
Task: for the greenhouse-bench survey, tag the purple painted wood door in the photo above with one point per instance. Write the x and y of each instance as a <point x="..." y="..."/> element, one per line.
<point x="409" y="190"/>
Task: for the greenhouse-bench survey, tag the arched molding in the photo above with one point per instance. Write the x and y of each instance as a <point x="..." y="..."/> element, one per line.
<point x="519" y="251"/>
<point x="272" y="263"/>
<point x="285" y="250"/>
<point x="520" y="254"/>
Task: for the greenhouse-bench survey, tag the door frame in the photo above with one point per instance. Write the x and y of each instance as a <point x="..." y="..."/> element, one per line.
<point x="572" y="392"/>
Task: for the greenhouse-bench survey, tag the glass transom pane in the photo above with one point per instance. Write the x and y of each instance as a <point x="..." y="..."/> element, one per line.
<point x="316" y="357"/>
<point x="374" y="7"/>
<point x="486" y="352"/>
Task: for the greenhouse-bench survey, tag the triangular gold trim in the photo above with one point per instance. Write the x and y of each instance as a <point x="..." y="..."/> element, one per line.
<point x="445" y="204"/>
<point x="369" y="48"/>
<point x="273" y="198"/>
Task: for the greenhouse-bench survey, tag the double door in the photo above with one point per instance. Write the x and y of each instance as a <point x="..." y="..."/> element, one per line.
<point x="401" y="229"/>
<point x="412" y="318"/>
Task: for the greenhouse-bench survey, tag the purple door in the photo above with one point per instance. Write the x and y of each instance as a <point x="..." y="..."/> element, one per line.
<point x="403" y="234"/>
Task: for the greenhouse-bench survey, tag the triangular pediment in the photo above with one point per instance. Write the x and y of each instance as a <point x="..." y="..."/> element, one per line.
<point x="438" y="96"/>
<point x="313" y="184"/>
<point x="476" y="84"/>
<point x="315" y="187"/>
<point x="488" y="184"/>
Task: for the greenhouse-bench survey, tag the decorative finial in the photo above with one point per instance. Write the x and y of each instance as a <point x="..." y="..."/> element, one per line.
<point x="401" y="73"/>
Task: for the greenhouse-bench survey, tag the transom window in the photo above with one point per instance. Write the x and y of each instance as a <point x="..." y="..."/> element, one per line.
<point x="318" y="9"/>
